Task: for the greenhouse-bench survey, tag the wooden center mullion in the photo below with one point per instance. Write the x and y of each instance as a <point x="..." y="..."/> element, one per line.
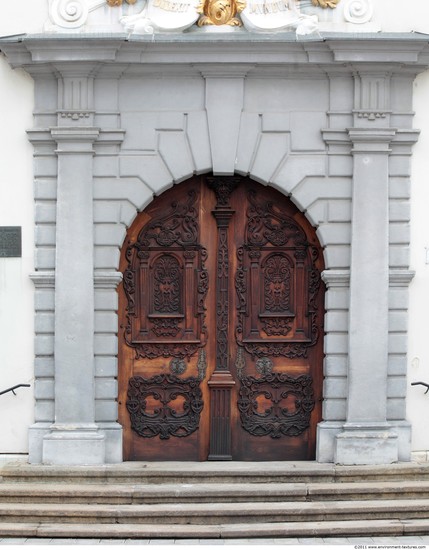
<point x="221" y="381"/>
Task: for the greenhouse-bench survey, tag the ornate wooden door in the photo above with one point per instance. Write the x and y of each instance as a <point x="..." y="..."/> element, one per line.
<point x="221" y="326"/>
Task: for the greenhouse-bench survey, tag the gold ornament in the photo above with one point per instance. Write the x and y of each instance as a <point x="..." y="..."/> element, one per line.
<point x="325" y="3"/>
<point x="113" y="3"/>
<point x="220" y="12"/>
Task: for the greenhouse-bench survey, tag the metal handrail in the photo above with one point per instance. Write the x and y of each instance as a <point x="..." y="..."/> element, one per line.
<point x="421" y="384"/>
<point x="14" y="388"/>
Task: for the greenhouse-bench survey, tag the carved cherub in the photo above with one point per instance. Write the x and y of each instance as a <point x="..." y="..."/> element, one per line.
<point x="220" y="12"/>
<point x="325" y="3"/>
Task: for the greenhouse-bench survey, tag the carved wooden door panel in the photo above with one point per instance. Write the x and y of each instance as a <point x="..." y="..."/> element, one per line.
<point x="221" y="338"/>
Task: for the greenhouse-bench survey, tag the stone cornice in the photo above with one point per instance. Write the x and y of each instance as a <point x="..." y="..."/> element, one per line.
<point x="371" y="140"/>
<point x="43" y="279"/>
<point x="221" y="70"/>
<point x="335" y="278"/>
<point x="44" y="136"/>
<point x="102" y="279"/>
<point x="373" y="135"/>
<point x="400" y="277"/>
<point x="352" y="52"/>
<point x="107" y="279"/>
<point x="77" y="140"/>
<point x="340" y="278"/>
<point x="337" y="136"/>
<point x="386" y="50"/>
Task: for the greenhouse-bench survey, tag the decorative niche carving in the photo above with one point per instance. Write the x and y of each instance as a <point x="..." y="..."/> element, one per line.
<point x="275" y="263"/>
<point x="165" y="278"/>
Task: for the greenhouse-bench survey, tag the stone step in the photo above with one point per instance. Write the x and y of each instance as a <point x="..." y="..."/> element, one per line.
<point x="212" y="472"/>
<point x="215" y="513"/>
<point x="98" y="493"/>
<point x="213" y="500"/>
<point x="392" y="527"/>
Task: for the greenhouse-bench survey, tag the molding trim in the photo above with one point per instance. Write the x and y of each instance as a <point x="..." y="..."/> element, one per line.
<point x="43" y="279"/>
<point x="107" y="279"/>
<point x="102" y="279"/>
<point x="371" y="140"/>
<point x="400" y="277"/>
<point x="402" y="53"/>
<point x="336" y="278"/>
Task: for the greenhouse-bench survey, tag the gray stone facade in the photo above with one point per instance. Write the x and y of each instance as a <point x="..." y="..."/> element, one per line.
<point x="327" y="122"/>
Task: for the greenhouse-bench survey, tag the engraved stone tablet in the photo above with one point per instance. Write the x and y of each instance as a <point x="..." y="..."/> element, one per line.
<point x="10" y="242"/>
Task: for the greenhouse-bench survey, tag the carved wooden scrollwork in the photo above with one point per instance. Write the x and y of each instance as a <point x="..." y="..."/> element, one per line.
<point x="163" y="418"/>
<point x="223" y="187"/>
<point x="266" y="224"/>
<point x="276" y="257"/>
<point x="164" y="281"/>
<point x="276" y="404"/>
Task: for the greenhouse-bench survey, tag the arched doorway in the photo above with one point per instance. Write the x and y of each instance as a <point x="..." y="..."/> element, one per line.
<point x="221" y="326"/>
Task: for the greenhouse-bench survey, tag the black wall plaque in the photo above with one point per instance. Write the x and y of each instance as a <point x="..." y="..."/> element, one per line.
<point x="10" y="242"/>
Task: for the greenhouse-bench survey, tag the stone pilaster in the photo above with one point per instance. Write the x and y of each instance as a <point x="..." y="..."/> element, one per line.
<point x="74" y="436"/>
<point x="366" y="438"/>
<point x="337" y="283"/>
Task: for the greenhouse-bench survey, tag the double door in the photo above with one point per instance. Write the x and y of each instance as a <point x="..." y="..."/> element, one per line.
<point x="221" y="326"/>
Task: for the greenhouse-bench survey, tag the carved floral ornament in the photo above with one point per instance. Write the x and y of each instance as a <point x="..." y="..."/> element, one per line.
<point x="119" y="2"/>
<point x="317" y="3"/>
<point x="158" y="16"/>
<point x="325" y="3"/>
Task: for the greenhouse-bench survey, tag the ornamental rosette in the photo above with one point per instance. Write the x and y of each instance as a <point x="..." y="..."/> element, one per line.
<point x="325" y="3"/>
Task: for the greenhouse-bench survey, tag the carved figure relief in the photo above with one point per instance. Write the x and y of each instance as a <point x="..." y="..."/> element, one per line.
<point x="220" y="12"/>
<point x="167" y="285"/>
<point x="162" y="16"/>
<point x="255" y="15"/>
<point x="153" y="16"/>
<point x="277" y="279"/>
<point x="166" y="264"/>
<point x="276" y="257"/>
<point x="275" y="15"/>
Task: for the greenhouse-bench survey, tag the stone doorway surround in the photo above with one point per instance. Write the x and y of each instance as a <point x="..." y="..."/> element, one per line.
<point x="327" y="121"/>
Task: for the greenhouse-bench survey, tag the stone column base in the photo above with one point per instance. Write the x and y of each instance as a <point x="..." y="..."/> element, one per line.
<point x="327" y="432"/>
<point x="36" y="433"/>
<point x="112" y="432"/>
<point x="53" y="445"/>
<point x="74" y="445"/>
<point x="366" y="444"/>
<point x="403" y="429"/>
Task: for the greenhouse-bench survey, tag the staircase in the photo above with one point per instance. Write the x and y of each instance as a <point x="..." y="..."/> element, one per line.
<point x="213" y="500"/>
